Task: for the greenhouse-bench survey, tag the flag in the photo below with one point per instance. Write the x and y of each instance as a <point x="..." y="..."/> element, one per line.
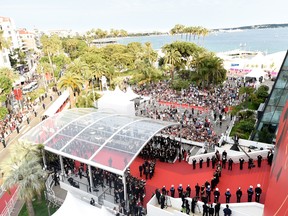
<point x="17" y="94"/>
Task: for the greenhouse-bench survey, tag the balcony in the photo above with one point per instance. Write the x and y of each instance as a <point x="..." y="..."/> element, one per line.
<point x="102" y="194"/>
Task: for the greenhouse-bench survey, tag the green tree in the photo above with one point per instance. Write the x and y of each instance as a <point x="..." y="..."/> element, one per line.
<point x="74" y="47"/>
<point x="51" y="46"/>
<point x="149" y="54"/>
<point x="100" y="33"/>
<point x="172" y="58"/>
<point x="5" y="88"/>
<point x="9" y="73"/>
<point x="45" y="70"/>
<point x="262" y="93"/>
<point x="86" y="99"/>
<point x="61" y="61"/>
<point x="73" y="82"/>
<point x="81" y="68"/>
<point x="3" y="112"/>
<point x="210" y="69"/>
<point x="24" y="170"/>
<point x="123" y="33"/>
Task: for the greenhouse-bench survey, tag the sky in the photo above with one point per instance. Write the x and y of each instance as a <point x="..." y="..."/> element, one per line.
<point x="142" y="15"/>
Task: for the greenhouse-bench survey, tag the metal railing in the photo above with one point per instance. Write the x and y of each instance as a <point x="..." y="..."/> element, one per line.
<point x="10" y="204"/>
<point x="56" y="201"/>
<point x="49" y="185"/>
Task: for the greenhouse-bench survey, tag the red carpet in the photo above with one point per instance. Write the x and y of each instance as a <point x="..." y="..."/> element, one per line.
<point x="5" y="199"/>
<point x="182" y="173"/>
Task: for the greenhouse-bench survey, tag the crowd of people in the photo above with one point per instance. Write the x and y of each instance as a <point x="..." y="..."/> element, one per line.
<point x="162" y="148"/>
<point x="201" y="108"/>
<point x="135" y="188"/>
<point x="208" y="192"/>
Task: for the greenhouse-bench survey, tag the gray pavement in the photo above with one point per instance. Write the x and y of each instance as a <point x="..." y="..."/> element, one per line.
<point x="12" y="139"/>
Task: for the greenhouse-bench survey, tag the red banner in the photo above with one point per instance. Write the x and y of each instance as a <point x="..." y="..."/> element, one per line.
<point x="18" y="94"/>
<point x="276" y="203"/>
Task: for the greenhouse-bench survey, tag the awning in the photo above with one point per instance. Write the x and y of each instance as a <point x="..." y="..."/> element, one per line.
<point x="57" y="104"/>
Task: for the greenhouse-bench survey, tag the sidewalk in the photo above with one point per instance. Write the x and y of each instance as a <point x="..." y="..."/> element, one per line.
<point x="14" y="136"/>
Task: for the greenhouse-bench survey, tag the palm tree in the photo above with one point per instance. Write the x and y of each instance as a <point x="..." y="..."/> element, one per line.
<point x="23" y="170"/>
<point x="209" y="68"/>
<point x="9" y="73"/>
<point x="149" y="53"/>
<point x="172" y="57"/>
<point x="46" y="71"/>
<point x="81" y="68"/>
<point x="73" y="82"/>
<point x="97" y="71"/>
<point x="123" y="33"/>
<point x="51" y="46"/>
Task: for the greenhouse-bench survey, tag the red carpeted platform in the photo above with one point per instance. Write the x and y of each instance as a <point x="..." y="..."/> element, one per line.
<point x="5" y="198"/>
<point x="183" y="173"/>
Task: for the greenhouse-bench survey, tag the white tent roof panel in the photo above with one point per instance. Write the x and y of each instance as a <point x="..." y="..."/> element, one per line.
<point x="73" y="206"/>
<point x="57" y="104"/>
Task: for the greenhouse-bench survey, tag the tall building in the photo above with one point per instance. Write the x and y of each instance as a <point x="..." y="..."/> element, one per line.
<point x="8" y="27"/>
<point x="9" y="33"/>
<point x="268" y="122"/>
<point x="27" y="40"/>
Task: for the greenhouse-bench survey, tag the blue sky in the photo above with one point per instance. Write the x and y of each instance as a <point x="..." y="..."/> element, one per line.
<point x="142" y="15"/>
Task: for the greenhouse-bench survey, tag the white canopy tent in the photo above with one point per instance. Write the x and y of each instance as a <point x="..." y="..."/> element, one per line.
<point x="73" y="206"/>
<point x="118" y="102"/>
<point x="57" y="104"/>
<point x="130" y="94"/>
<point x="256" y="73"/>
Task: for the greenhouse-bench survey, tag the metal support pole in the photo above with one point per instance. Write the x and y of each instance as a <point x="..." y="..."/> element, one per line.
<point x="44" y="159"/>
<point x="125" y="187"/>
<point x="62" y="166"/>
<point x="90" y="178"/>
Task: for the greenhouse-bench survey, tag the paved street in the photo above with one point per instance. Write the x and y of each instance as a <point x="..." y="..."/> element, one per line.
<point x="12" y="139"/>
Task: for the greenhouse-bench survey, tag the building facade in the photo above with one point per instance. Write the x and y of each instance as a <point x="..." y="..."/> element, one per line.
<point x="8" y="33"/>
<point x="27" y="40"/>
<point x="268" y="122"/>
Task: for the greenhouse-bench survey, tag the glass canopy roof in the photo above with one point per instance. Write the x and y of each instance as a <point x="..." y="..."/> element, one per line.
<point x="101" y="139"/>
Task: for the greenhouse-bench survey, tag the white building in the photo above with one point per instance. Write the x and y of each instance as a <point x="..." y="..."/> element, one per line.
<point x="8" y="27"/>
<point x="9" y="33"/>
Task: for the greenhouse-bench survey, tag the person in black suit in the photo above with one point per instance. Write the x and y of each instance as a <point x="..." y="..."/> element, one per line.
<point x="194" y="163"/>
<point x="239" y="195"/>
<point x="258" y="192"/>
<point x="197" y="189"/>
<point x="208" y="161"/>
<point x="241" y="160"/>
<point x="205" y="209"/>
<point x="217" y="209"/>
<point x="172" y="191"/>
<point x="211" y="210"/>
<point x="230" y="163"/>
<point x="200" y="163"/>
<point x="162" y="201"/>
<point x="213" y="160"/>
<point x="250" y="193"/>
<point x="216" y="195"/>
<point x="270" y="157"/>
<point x="259" y="160"/>
<point x="193" y="204"/>
<point x="140" y="170"/>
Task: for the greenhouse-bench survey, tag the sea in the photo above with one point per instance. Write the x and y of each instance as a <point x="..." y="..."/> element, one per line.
<point x="270" y="40"/>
